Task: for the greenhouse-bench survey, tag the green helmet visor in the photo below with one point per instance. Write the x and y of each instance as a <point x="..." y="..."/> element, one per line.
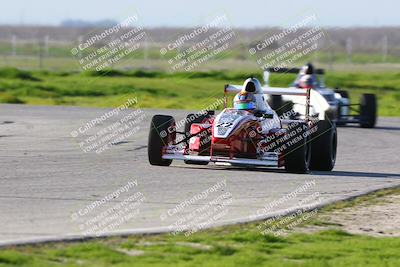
<point x="248" y="105"/>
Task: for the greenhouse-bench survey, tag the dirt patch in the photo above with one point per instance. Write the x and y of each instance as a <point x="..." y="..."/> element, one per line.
<point x="183" y="244"/>
<point x="374" y="219"/>
<point x="194" y="245"/>
<point x="131" y="252"/>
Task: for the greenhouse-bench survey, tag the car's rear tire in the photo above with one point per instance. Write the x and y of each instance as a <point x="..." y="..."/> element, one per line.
<point x="323" y="146"/>
<point x="331" y="114"/>
<point x="276" y="103"/>
<point x="368" y="108"/>
<point x="162" y="132"/>
<point x="297" y="153"/>
<point x="190" y="119"/>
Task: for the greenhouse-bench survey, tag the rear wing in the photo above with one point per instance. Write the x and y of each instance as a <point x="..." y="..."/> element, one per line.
<point x="229" y="88"/>
<point x="270" y="70"/>
<point x="291" y="70"/>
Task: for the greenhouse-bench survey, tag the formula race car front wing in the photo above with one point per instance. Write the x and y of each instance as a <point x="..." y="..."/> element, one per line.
<point x="269" y="159"/>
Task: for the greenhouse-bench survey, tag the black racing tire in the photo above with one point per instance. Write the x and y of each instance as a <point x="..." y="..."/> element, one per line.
<point x="162" y="131"/>
<point x="275" y="102"/>
<point x="188" y="124"/>
<point x="331" y="114"/>
<point x="323" y="146"/>
<point x="368" y="108"/>
<point x="297" y="152"/>
<point x="279" y="105"/>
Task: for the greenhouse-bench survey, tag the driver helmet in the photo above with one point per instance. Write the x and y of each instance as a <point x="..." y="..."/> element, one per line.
<point x="306" y="81"/>
<point x="244" y="101"/>
<point x="307" y="69"/>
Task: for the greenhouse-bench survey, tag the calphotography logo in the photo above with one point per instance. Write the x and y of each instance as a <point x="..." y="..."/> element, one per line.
<point x="200" y="211"/>
<point x="116" y="126"/>
<point x="190" y="50"/>
<point x="285" y="48"/>
<point x="103" y="49"/>
<point x="110" y="213"/>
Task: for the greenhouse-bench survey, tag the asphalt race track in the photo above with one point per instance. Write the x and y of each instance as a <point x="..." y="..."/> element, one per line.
<point x="46" y="178"/>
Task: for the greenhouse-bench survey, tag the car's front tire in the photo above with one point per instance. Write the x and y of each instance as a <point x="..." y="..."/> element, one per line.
<point x="162" y="132"/>
<point x="368" y="108"/>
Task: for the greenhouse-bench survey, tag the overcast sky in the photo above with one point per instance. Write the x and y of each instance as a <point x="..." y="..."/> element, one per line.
<point x="245" y="13"/>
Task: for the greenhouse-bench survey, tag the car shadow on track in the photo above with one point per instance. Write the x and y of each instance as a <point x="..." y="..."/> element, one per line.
<point x="387" y="128"/>
<point x="271" y="170"/>
<point x="232" y="168"/>
<point x="359" y="174"/>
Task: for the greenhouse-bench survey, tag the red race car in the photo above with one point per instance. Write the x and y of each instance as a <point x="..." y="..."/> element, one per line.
<point x="249" y="134"/>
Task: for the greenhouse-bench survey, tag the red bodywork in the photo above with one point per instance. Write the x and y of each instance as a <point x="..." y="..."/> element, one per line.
<point x="242" y="143"/>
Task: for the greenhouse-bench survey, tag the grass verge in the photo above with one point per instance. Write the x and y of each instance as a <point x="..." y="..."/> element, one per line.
<point x="195" y="90"/>
<point x="237" y="245"/>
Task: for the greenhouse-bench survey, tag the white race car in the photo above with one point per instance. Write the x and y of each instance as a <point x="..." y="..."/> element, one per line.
<point x="337" y="106"/>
